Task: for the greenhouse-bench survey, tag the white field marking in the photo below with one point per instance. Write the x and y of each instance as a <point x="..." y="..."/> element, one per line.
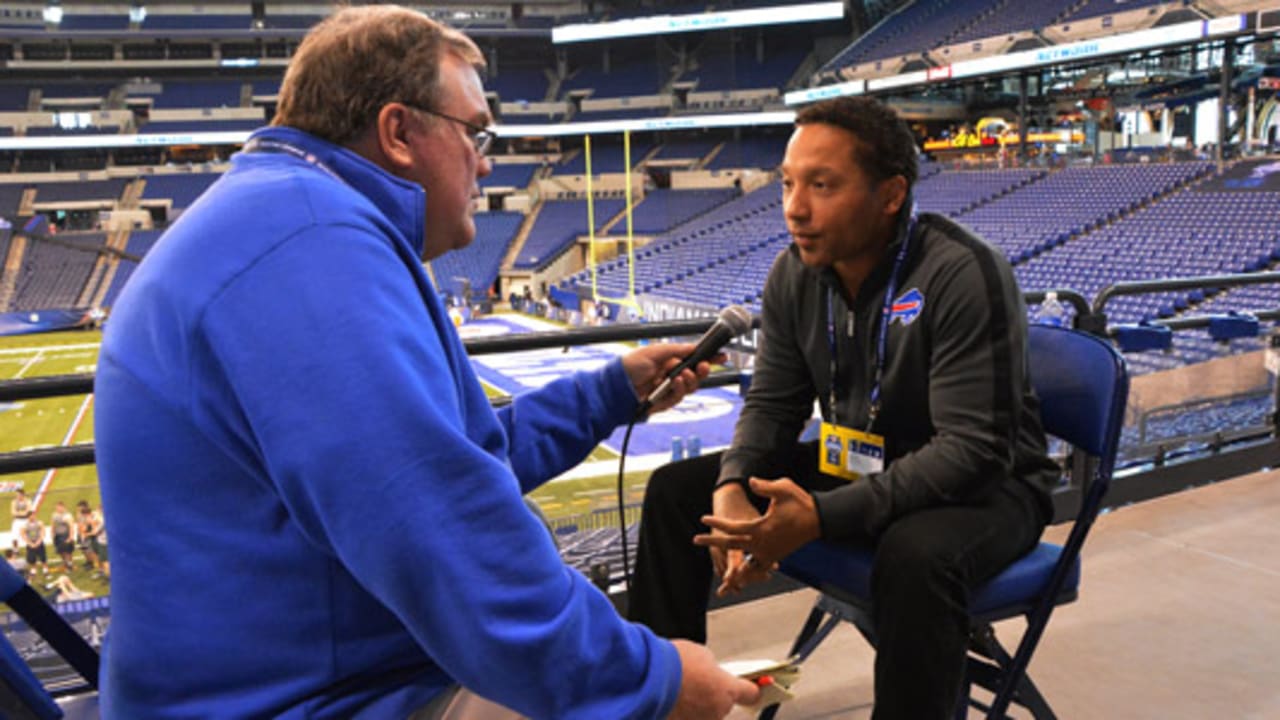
<point x="34" y="359"/>
<point x="47" y="348"/>
<point x="66" y="440"/>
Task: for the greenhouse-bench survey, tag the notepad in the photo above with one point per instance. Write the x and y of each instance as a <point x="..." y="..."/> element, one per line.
<point x="774" y="678"/>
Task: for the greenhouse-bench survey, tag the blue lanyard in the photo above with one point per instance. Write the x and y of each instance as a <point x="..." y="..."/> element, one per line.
<point x="882" y="341"/>
<point x="260" y="144"/>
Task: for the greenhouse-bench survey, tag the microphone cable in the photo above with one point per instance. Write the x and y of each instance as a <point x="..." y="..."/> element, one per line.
<point x="733" y="320"/>
<point x="622" y="507"/>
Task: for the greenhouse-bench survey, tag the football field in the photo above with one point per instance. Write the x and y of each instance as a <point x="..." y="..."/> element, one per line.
<point x="589" y="488"/>
<point x="49" y="422"/>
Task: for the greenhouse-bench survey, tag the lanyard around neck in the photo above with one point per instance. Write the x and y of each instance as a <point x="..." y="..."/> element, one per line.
<point x="882" y="340"/>
<point x="262" y="144"/>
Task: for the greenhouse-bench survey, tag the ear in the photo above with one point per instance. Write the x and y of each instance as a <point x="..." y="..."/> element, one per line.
<point x="894" y="193"/>
<point x="392" y="131"/>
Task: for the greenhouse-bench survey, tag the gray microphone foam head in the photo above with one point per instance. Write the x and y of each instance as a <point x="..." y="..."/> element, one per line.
<point x="737" y="318"/>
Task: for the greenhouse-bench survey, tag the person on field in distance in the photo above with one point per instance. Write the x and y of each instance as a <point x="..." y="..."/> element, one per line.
<point x="314" y="509"/>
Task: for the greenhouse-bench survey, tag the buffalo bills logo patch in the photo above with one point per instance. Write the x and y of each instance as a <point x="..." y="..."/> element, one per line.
<point x="907" y="307"/>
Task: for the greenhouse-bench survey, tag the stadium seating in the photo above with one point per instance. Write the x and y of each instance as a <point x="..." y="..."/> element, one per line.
<point x="622" y="80"/>
<point x="661" y="210"/>
<point x="56" y="131"/>
<point x="717" y="259"/>
<point x="953" y="193"/>
<point x="207" y="94"/>
<point x="510" y="175"/>
<point x="13" y="98"/>
<point x="10" y="197"/>
<point x="139" y="244"/>
<point x="1189" y="233"/>
<point x="182" y="189"/>
<point x="1065" y="204"/>
<point x="916" y="27"/>
<point x="1011" y="17"/>
<point x="750" y="152"/>
<point x="558" y="225"/>
<point x="688" y="148"/>
<point x="1192" y="427"/>
<point x="97" y="91"/>
<point x="52" y="275"/>
<point x="1095" y="8"/>
<point x="56" y="192"/>
<point x="607" y="156"/>
<point x="478" y="263"/>
<point x="516" y="84"/>
<point x="731" y="71"/>
<point x="194" y="21"/>
<point x="160" y="127"/>
<point x="77" y="21"/>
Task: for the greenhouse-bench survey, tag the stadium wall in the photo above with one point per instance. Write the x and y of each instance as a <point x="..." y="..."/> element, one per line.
<point x="1212" y="379"/>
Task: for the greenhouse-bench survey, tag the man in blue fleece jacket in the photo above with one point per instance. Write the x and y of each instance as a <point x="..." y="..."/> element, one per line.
<point x="314" y="511"/>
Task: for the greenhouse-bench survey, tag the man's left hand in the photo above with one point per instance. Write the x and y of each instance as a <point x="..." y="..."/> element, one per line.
<point x="790" y="521"/>
<point x="648" y="366"/>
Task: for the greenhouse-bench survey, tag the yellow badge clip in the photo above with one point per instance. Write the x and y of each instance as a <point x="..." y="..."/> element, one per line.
<point x="848" y="453"/>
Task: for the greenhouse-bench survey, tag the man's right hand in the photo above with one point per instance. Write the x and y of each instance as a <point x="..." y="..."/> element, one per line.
<point x="707" y="692"/>
<point x="729" y="501"/>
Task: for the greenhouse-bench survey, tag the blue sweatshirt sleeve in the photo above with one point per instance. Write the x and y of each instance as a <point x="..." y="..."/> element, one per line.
<point x="555" y="427"/>
<point x="387" y="459"/>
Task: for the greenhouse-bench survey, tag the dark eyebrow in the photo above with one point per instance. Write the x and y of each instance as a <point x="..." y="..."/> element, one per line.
<point x="819" y="171"/>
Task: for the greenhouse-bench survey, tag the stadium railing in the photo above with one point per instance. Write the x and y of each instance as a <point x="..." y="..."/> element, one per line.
<point x="1257" y="450"/>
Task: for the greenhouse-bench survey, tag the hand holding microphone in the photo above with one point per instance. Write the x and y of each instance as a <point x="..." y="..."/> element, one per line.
<point x="733" y="321"/>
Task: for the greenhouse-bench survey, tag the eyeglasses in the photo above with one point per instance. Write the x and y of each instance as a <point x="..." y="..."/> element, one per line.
<point x="481" y="137"/>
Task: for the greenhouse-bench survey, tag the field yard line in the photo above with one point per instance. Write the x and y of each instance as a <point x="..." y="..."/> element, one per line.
<point x="66" y="440"/>
<point x="43" y="348"/>
<point x="34" y="359"/>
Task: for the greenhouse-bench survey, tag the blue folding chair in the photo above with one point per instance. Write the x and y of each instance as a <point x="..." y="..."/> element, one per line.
<point x="1082" y="385"/>
<point x="21" y="694"/>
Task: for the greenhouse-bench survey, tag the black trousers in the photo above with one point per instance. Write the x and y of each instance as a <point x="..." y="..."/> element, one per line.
<point x="926" y="565"/>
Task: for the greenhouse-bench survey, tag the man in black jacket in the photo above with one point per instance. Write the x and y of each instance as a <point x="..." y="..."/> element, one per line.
<point x="911" y="334"/>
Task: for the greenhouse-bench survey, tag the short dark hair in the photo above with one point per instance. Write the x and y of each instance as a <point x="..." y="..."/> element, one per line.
<point x="886" y="146"/>
<point x="357" y="60"/>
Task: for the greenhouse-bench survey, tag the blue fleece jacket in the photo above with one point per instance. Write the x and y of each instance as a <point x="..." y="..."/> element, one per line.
<point x="313" y="509"/>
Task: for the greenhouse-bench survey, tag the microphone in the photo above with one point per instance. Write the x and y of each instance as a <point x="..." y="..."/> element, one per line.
<point x="733" y="321"/>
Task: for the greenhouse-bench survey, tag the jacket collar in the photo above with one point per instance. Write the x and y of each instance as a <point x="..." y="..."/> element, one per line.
<point x="403" y="203"/>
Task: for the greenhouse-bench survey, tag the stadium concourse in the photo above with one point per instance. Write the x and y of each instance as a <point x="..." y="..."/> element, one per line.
<point x="1178" y="620"/>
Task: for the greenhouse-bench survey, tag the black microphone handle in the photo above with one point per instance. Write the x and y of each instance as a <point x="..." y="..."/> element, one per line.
<point x="716" y="337"/>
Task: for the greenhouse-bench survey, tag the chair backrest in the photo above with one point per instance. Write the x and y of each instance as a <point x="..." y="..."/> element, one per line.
<point x="1083" y="385"/>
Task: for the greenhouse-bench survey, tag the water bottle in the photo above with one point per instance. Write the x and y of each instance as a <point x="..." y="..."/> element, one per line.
<point x="1051" y="311"/>
<point x="693" y="446"/>
<point x="677" y="448"/>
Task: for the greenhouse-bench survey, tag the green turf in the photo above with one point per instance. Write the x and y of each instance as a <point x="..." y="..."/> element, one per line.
<point x="45" y="423"/>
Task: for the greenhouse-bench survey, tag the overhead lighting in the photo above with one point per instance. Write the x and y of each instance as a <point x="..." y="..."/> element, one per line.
<point x="698" y="22"/>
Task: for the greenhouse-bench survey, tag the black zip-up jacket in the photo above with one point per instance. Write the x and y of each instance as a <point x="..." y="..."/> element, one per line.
<point x="957" y="411"/>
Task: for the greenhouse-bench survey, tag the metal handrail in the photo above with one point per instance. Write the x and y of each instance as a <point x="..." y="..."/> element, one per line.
<point x="79" y="384"/>
<point x="1142" y="287"/>
<point x="1089" y="317"/>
